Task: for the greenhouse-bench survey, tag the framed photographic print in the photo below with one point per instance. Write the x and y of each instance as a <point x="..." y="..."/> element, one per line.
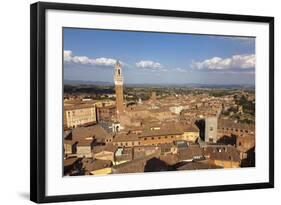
<point x="129" y="102"/>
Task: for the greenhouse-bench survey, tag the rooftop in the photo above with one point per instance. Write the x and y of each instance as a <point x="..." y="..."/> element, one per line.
<point x="78" y="106"/>
<point x="70" y="161"/>
<point x="91" y="165"/>
<point x="225" y="153"/>
<point x="95" y="131"/>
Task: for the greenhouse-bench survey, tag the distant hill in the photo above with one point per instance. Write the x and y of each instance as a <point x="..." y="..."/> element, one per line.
<point x="187" y="85"/>
<point x="81" y="82"/>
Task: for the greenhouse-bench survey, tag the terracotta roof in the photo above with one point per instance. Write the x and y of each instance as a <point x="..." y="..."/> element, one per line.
<point x="78" y="106"/>
<point x="85" y="142"/>
<point x="189" y="153"/>
<point x="159" y="110"/>
<point x="231" y="124"/>
<point x="70" y="161"/>
<point x="91" y="165"/>
<point x="107" y="107"/>
<point x="121" y="137"/>
<point x="155" y="165"/>
<point x="188" y="127"/>
<point x="170" y="159"/>
<point x="95" y="131"/>
<point x="225" y="153"/>
<point x="70" y="142"/>
<point x="161" y="132"/>
<point x="107" y="147"/>
<point x="197" y="166"/>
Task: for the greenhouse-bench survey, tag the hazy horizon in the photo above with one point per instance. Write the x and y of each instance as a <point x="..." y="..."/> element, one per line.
<point x="86" y="82"/>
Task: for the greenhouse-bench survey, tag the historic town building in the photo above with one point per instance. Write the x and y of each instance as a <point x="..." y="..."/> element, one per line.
<point x="81" y="114"/>
<point x="173" y="130"/>
<point x="118" y="81"/>
<point x="211" y="126"/>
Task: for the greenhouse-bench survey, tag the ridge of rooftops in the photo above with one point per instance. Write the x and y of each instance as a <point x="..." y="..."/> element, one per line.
<point x="78" y="106"/>
<point x="98" y="132"/>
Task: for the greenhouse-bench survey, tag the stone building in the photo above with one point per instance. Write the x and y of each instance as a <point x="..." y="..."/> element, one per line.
<point x="79" y="114"/>
<point x="156" y="135"/>
<point x="81" y="141"/>
<point x="118" y="81"/>
<point x="211" y="126"/>
<point x="85" y="148"/>
<point x="106" y="113"/>
<point x="153" y="97"/>
<point x="242" y="136"/>
<point x="224" y="156"/>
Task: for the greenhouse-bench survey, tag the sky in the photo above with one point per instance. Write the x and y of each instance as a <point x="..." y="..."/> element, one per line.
<point x="158" y="58"/>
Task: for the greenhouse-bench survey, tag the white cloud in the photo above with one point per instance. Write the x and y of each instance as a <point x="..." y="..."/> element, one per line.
<point x="147" y="64"/>
<point x="70" y="58"/>
<point x="181" y="70"/>
<point x="233" y="63"/>
<point x="67" y="55"/>
<point x="105" y="61"/>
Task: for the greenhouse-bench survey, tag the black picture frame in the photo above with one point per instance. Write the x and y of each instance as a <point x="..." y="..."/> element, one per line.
<point x="38" y="98"/>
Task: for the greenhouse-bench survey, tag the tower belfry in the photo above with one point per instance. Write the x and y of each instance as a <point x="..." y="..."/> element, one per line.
<point x="118" y="81"/>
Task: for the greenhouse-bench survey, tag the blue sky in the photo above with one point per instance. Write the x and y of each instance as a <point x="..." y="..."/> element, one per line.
<point x="148" y="57"/>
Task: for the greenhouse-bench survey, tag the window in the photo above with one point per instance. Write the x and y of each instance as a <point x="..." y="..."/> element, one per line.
<point x="145" y="138"/>
<point x="211" y="128"/>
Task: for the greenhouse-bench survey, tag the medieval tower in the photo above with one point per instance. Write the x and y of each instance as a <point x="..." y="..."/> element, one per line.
<point x="211" y="127"/>
<point x="118" y="81"/>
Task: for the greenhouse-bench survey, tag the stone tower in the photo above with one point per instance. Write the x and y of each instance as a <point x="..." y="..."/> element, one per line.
<point x="118" y="81"/>
<point x="211" y="126"/>
<point x="153" y="97"/>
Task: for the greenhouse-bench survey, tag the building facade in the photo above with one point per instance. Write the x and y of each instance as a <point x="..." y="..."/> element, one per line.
<point x="211" y="126"/>
<point x="77" y="115"/>
<point x="106" y="113"/>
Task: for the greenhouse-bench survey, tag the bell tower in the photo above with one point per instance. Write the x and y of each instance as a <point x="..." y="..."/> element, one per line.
<point x="118" y="81"/>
